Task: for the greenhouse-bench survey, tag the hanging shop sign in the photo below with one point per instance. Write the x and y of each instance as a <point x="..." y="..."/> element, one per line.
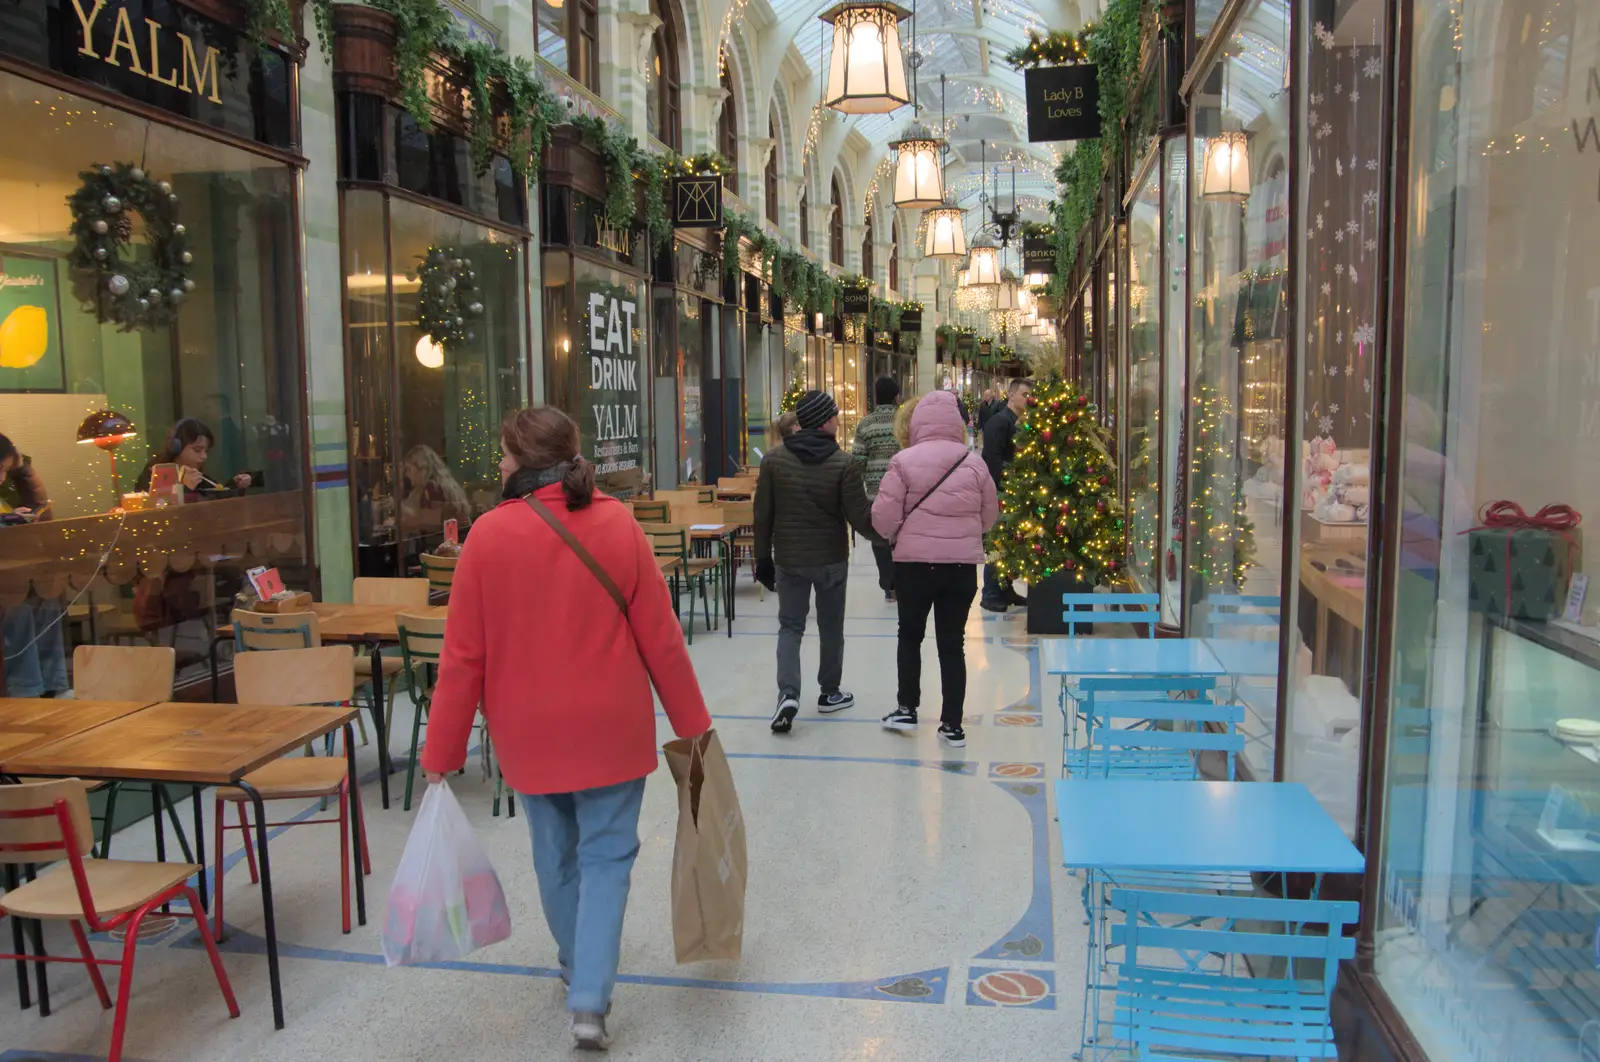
<point x="697" y="202"/>
<point x="854" y="300"/>
<point x="1038" y="255"/>
<point x="161" y="54"/>
<point x="611" y="323"/>
<point x="910" y="320"/>
<point x="1063" y="102"/>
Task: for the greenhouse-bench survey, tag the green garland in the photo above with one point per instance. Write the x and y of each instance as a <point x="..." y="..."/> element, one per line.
<point x="1059" y="48"/>
<point x="130" y="293"/>
<point x="795" y="277"/>
<point x="447" y="301"/>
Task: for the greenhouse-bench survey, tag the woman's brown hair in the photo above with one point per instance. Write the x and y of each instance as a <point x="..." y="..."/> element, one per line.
<point x="543" y="437"/>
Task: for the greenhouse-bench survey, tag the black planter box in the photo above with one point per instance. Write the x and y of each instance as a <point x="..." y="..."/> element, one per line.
<point x="1045" y="610"/>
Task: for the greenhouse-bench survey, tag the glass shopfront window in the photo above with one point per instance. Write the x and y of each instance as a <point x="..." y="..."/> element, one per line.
<point x="1238" y="244"/>
<point x="1143" y="451"/>
<point x="1174" y="456"/>
<point x="1490" y="895"/>
<point x="1342" y="193"/>
<point x="425" y="408"/>
<point x="227" y="361"/>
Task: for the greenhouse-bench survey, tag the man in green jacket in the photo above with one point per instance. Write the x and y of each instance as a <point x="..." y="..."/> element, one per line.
<point x="808" y="494"/>
<point x="875" y="447"/>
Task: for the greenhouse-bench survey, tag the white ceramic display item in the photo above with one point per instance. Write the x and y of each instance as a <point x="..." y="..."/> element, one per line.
<point x="1578" y="729"/>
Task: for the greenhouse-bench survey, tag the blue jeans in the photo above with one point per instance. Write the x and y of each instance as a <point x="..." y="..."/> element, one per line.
<point x="584" y="844"/>
<point x="35" y="648"/>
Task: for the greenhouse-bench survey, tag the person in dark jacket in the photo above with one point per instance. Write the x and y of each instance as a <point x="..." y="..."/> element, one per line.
<point x="875" y="447"/>
<point x="807" y="495"/>
<point x="987" y="408"/>
<point x="999" y="447"/>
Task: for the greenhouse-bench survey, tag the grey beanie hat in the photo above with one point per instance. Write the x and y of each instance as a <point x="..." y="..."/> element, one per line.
<point x="815" y="409"/>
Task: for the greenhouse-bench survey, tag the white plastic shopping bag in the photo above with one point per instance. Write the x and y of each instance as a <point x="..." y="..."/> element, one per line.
<point x="446" y="899"/>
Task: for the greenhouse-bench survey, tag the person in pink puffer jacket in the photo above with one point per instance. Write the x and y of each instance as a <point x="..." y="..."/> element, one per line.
<point x="934" y="504"/>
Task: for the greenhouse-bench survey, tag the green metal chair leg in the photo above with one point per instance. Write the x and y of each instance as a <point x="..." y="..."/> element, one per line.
<point x="172" y="817"/>
<point x="416" y="738"/>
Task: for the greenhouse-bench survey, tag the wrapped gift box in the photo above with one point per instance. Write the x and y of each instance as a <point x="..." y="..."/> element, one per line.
<point x="1521" y="572"/>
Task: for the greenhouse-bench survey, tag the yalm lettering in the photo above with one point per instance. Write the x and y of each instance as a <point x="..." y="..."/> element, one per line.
<point x="175" y="65"/>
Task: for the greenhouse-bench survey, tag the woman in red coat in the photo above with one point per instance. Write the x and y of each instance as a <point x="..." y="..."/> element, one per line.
<point x="564" y="680"/>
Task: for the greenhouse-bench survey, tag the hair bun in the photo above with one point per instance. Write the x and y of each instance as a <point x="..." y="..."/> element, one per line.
<point x="578" y="484"/>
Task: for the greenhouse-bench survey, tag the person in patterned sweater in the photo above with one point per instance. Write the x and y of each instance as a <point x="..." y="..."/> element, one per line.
<point x="875" y="447"/>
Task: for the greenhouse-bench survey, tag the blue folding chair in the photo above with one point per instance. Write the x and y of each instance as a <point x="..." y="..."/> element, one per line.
<point x="1133" y="610"/>
<point x="1241" y="610"/>
<point x="1104" y="700"/>
<point x="1168" y="1013"/>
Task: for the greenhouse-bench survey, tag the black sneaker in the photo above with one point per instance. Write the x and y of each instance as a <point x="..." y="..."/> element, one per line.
<point x="953" y="736"/>
<point x="888" y="595"/>
<point x="994" y="606"/>
<point x="901" y="719"/>
<point x="837" y="701"/>
<point x="783" y="718"/>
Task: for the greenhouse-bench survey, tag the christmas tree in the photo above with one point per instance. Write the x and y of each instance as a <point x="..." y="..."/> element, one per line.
<point x="1059" y="513"/>
<point x="1224" y="543"/>
<point x="791" y="397"/>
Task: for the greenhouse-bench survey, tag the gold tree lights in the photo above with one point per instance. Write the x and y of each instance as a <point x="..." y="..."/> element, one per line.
<point x="1059" y="513"/>
<point x="1225" y="539"/>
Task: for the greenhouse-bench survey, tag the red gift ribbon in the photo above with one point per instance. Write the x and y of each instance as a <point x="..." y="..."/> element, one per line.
<point x="1509" y="516"/>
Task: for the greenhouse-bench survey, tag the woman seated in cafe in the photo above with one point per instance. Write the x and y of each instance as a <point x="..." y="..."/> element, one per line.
<point x="432" y="494"/>
<point x="188" y="445"/>
<point x="35" y="649"/>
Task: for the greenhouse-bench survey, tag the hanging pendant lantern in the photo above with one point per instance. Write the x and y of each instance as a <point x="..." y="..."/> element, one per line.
<point x="947" y="235"/>
<point x="963" y="277"/>
<point x="867" y="70"/>
<point x="1009" y="295"/>
<point x="985" y="263"/>
<point x="918" y="180"/>
<point x="1227" y="172"/>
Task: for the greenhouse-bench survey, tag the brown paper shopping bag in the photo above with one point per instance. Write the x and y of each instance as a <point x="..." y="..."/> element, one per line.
<point x="708" y="865"/>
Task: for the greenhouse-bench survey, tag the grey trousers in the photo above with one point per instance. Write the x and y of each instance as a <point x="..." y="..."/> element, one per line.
<point x="794" y="604"/>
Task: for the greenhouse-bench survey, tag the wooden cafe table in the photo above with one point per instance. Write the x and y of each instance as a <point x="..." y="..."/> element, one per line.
<point x="204" y="745"/>
<point x="373" y="626"/>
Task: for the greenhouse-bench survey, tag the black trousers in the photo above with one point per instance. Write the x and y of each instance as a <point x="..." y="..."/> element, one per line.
<point x="884" y="555"/>
<point x="947" y="591"/>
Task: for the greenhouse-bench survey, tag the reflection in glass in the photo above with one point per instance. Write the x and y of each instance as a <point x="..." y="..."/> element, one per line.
<point x="1238" y="331"/>
<point x="1174" y="482"/>
<point x="1488" y="910"/>
<point x="1144" y="381"/>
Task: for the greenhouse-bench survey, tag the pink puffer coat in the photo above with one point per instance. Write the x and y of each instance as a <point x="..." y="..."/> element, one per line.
<point x="948" y="527"/>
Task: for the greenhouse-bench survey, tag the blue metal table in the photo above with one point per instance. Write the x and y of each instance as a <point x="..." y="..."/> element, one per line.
<point x="1241" y="658"/>
<point x="1079" y="657"/>
<point x="1189" y="828"/>
<point x="1196" y="826"/>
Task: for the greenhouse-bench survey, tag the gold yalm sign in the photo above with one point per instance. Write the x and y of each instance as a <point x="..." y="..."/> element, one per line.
<point x="176" y="65"/>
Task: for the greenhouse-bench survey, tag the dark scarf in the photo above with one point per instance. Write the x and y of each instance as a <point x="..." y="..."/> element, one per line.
<point x="525" y="481"/>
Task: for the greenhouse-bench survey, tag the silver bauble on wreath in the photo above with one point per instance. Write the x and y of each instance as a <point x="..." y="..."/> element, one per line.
<point x="188" y="285"/>
<point x="166" y="189"/>
<point x="144" y="304"/>
<point x="105" y="171"/>
<point x="475" y="309"/>
<point x="175" y="296"/>
<point x="111" y="203"/>
<point x="154" y="295"/>
<point x="99" y="226"/>
<point x="117" y="284"/>
<point x="179" y="229"/>
<point x="172" y="199"/>
<point x="458" y="322"/>
<point x="136" y="173"/>
<point x="101" y="254"/>
<point x="186" y="258"/>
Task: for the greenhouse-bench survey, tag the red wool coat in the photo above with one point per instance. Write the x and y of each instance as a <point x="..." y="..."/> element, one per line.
<point x="535" y="639"/>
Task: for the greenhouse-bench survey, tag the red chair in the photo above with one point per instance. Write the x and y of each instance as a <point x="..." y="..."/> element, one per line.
<point x="44" y="822"/>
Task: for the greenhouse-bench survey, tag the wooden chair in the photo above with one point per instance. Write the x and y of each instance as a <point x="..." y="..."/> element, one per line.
<point x="128" y="673"/>
<point x="650" y="512"/>
<point x="673" y="540"/>
<point x="271" y="631"/>
<point x="324" y="675"/>
<point x="406" y="593"/>
<point x="44" y="822"/>
<point x="440" y="573"/>
<point x="743" y="515"/>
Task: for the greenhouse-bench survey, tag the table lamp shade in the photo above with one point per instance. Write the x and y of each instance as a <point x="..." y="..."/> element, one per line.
<point x="1227" y="171"/>
<point x="105" y="429"/>
<point x="947" y="236"/>
<point x="918" y="180"/>
<point x="866" y="70"/>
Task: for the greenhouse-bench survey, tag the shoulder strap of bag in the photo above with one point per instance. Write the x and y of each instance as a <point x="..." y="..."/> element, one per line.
<point x="948" y="473"/>
<point x="577" y="547"/>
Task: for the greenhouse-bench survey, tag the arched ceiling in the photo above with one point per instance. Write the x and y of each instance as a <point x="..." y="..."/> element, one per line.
<point x="980" y="98"/>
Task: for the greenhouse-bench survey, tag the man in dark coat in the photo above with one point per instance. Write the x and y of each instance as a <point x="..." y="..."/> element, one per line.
<point x="808" y="495"/>
<point x="999" y="447"/>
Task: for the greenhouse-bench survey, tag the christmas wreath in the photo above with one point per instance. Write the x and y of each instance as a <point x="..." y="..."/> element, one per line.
<point x="128" y="292"/>
<point x="447" y="303"/>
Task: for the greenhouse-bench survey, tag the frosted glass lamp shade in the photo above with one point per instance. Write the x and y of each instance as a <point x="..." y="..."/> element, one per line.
<point x="1227" y="172"/>
<point x="867" y="69"/>
<point x="918" y="178"/>
<point x="947" y="236"/>
<point x="985" y="262"/>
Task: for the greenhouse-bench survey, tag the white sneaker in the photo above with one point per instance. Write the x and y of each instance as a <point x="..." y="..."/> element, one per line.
<point x="589" y="1031"/>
